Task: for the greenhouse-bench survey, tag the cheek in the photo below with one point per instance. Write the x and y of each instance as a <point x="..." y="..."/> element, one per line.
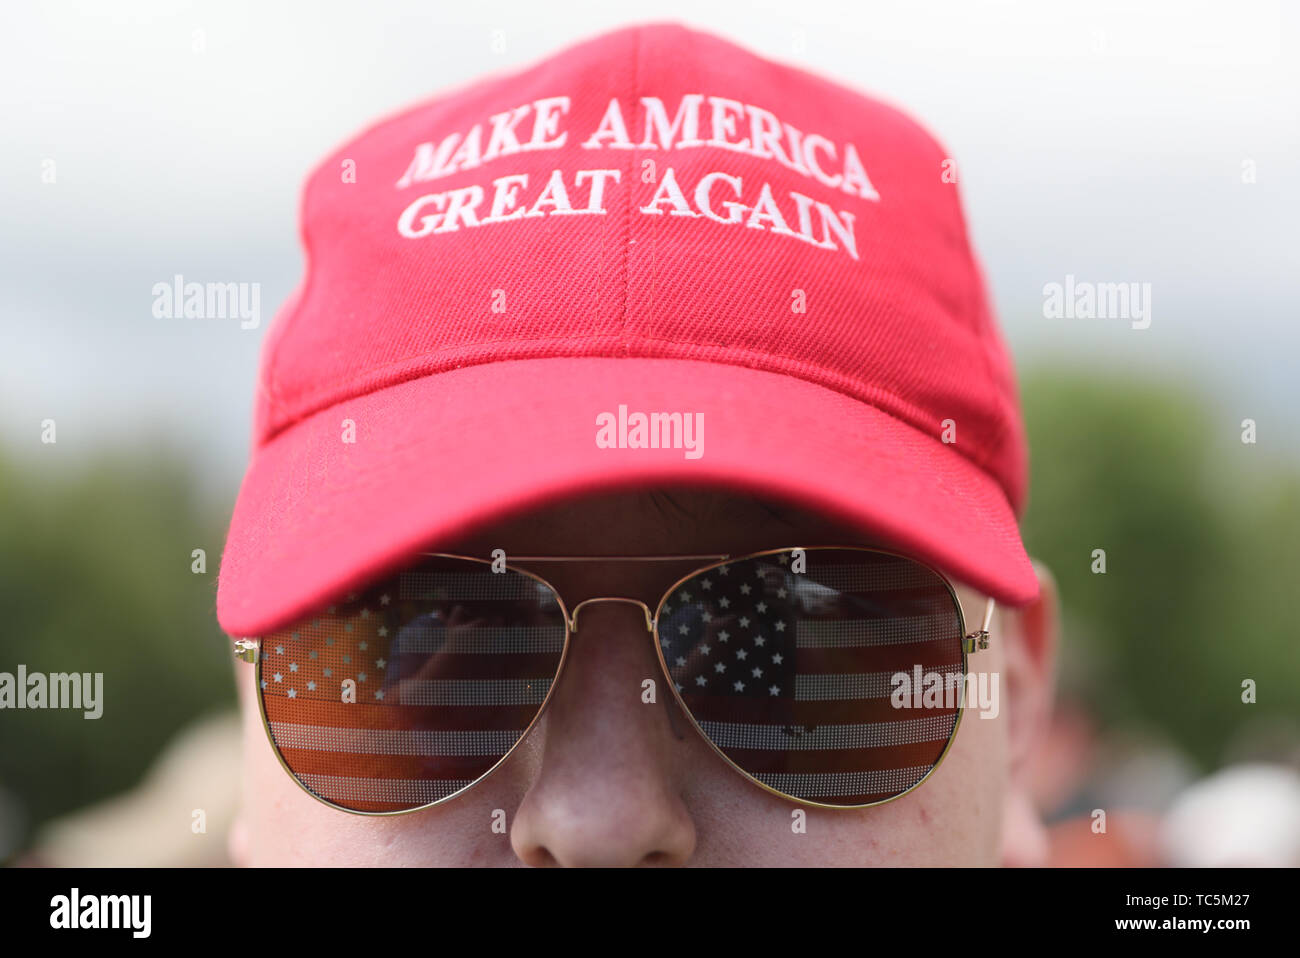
<point x="962" y="802"/>
<point x="953" y="818"/>
<point x="284" y="826"/>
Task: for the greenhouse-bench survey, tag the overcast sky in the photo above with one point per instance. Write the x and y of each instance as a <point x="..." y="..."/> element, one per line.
<point x="1103" y="140"/>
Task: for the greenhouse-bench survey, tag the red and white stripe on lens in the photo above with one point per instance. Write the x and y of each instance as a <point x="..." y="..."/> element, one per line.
<point x="790" y="673"/>
<point x="439" y="688"/>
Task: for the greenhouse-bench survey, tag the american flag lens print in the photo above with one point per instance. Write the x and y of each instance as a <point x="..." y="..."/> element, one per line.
<point x="790" y="673"/>
<point x="408" y="692"/>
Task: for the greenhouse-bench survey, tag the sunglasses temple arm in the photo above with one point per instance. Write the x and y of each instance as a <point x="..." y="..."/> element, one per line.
<point x="980" y="640"/>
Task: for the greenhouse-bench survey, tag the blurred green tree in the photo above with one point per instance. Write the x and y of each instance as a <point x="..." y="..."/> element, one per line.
<point x="1201" y="534"/>
<point x="95" y="576"/>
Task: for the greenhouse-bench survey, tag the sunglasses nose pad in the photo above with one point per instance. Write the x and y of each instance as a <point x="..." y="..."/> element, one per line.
<point x="645" y="609"/>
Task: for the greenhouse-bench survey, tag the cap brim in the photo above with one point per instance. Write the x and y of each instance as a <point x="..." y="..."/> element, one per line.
<point x="434" y="457"/>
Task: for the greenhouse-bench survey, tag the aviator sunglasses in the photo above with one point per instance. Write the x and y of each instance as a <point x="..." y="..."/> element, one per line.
<point x="403" y="695"/>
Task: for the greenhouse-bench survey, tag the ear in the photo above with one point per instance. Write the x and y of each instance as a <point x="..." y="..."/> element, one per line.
<point x="1029" y="634"/>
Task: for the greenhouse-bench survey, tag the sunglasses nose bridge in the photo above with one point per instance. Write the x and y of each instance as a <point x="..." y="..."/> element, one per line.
<point x="645" y="609"/>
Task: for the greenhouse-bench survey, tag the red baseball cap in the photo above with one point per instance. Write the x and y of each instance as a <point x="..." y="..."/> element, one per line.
<point x="651" y="259"/>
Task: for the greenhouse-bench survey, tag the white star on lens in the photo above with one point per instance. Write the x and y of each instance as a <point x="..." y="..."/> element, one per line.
<point x="706" y="616"/>
<point x="278" y="677"/>
<point x="293" y="693"/>
<point x="780" y="593"/>
<point x="311" y="686"/>
<point x="293" y="666"/>
<point x="756" y="672"/>
<point x="683" y="629"/>
<point x="332" y="609"/>
<point x="745" y="589"/>
<point x="774" y="690"/>
<point x="679" y="686"/>
<point x="780" y="627"/>
<point x="744" y="622"/>
<point x="719" y="667"/>
<point x="263" y="683"/>
<point x="361" y="676"/>
<point x="740" y="654"/>
<point x="383" y="632"/>
<point x="701" y="680"/>
<point x="385" y="599"/>
<point x="327" y="673"/>
<point x="706" y="584"/>
<point x="667" y="610"/>
<point x="724" y="635"/>
<point x="379" y="694"/>
<point x="684" y="596"/>
<point x="776" y="659"/>
<point x="348" y="627"/>
<point x="761" y="607"/>
<point x="329" y="640"/>
<point x="279" y="650"/>
<point x="680" y="661"/>
<point x="313" y="654"/>
<point x="759" y="640"/>
<point x="665" y="642"/>
<point x="363" y="646"/>
<point x="739" y="686"/>
<point x="365" y="613"/>
<point x="347" y="660"/>
<point x="724" y="602"/>
<point x="381" y="663"/>
<point x="705" y="649"/>
<point x="723" y="570"/>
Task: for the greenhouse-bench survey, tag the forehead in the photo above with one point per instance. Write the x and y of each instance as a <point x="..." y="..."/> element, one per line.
<point x="661" y="521"/>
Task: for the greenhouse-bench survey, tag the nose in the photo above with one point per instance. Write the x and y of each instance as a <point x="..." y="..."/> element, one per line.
<point x="605" y="792"/>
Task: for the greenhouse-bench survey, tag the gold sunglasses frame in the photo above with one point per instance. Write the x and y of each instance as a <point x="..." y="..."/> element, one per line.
<point x="247" y="650"/>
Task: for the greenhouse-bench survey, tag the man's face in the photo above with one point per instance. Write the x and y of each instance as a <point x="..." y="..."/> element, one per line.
<point x="605" y="779"/>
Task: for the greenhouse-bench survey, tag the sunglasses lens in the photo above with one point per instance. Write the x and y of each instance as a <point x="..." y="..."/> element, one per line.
<point x="800" y="668"/>
<point x="408" y="692"/>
